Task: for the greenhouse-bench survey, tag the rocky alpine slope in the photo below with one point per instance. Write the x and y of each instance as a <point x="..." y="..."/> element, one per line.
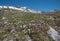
<point x="20" y="24"/>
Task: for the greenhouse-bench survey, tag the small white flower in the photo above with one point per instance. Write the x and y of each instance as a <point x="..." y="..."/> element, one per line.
<point x="3" y="17"/>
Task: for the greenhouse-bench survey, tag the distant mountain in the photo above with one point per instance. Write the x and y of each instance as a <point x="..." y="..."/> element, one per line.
<point x="54" y="12"/>
<point x="24" y="9"/>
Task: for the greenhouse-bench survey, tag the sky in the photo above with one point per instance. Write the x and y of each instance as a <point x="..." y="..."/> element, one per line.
<point x="42" y="5"/>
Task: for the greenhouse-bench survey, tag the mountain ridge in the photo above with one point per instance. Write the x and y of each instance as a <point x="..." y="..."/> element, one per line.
<point x="24" y="9"/>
